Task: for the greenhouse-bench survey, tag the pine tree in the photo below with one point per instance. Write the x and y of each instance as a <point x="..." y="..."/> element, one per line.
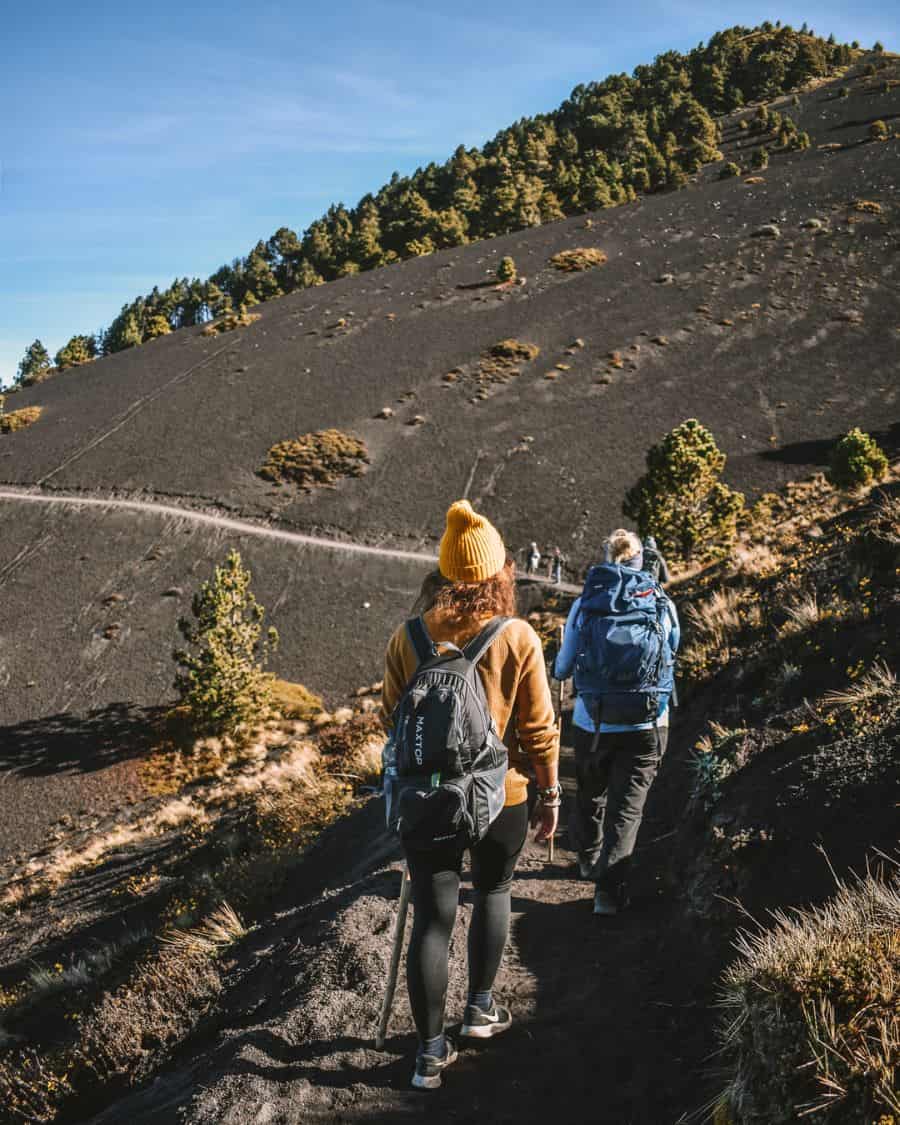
<point x="680" y="498"/>
<point x="220" y="678"/>
<point x="155" y="326"/>
<point x="33" y="365"/>
<point x="124" y="332"/>
<point x="80" y="349"/>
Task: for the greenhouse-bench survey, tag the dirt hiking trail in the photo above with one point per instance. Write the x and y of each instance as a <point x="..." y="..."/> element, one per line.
<point x="607" y="1012"/>
<point x="229" y="523"/>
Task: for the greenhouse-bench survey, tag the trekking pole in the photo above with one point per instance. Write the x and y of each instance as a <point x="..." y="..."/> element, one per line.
<point x="390" y="987"/>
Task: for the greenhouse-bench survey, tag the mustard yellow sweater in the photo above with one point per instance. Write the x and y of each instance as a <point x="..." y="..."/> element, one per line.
<point x="515" y="684"/>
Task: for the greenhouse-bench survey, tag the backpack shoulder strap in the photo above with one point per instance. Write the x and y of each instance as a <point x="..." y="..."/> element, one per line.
<point x="478" y="645"/>
<point x="419" y="638"/>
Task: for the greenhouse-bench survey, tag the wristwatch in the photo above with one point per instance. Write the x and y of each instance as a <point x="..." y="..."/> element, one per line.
<point x="550" y="796"/>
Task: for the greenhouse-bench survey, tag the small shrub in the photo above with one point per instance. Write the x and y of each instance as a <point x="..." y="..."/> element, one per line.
<point x="856" y="461"/>
<point x="878" y="131"/>
<point x="19" y="419"/>
<point x="786" y="674"/>
<point x="716" y="757"/>
<point x="319" y="458"/>
<point x="844" y="92"/>
<point x="506" y="271"/>
<point x="813" y="1013"/>
<point x="760" y="158"/>
<point x="230" y="321"/>
<point x="574" y="261"/>
<point x="221" y="682"/>
<point x="680" y="498"/>
<point x="515" y="350"/>
<point x="729" y="170"/>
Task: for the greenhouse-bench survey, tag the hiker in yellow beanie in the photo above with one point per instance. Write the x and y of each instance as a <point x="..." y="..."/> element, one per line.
<point x="470" y="605"/>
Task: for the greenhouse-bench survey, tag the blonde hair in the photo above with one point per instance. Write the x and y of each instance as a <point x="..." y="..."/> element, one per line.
<point x="622" y="545"/>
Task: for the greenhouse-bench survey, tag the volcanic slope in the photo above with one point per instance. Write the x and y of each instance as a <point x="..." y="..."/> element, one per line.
<point x="776" y="336"/>
<point x="614" y="1018"/>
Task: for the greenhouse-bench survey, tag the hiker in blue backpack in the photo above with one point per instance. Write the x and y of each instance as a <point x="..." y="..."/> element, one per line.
<point x="620" y="641"/>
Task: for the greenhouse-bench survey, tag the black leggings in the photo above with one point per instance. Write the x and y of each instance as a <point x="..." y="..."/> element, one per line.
<point x="435" y="894"/>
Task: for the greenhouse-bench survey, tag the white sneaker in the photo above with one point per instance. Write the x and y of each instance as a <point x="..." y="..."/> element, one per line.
<point x="479" y="1024"/>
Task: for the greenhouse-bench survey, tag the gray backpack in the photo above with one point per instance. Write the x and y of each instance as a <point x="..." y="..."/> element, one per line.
<point x="445" y="782"/>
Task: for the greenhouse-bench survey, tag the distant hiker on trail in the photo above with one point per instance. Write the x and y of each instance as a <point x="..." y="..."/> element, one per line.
<point x="555" y="568"/>
<point x="620" y="641"/>
<point x="534" y="559"/>
<point x="654" y="563"/>
<point x="496" y="686"/>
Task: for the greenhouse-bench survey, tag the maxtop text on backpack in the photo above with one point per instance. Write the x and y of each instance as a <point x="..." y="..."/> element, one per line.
<point x="447" y="761"/>
<point x="623" y="665"/>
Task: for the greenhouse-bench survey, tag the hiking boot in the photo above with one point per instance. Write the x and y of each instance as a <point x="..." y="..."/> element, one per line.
<point x="479" y="1024"/>
<point x="585" y="867"/>
<point x="605" y="904"/>
<point x="427" y="1075"/>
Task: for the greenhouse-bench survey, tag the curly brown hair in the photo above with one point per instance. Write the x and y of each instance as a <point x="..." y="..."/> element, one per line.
<point x="494" y="598"/>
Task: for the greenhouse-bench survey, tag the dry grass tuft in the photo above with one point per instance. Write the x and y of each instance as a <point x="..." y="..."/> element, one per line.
<point x="802" y="615"/>
<point x="214" y="934"/>
<point x="20" y="419"/>
<point x="813" y="1012"/>
<point x="754" y="560"/>
<point x="315" y="459"/>
<point x="878" y="683"/>
<point x="576" y="260"/>
<point x="294" y="701"/>
<point x="719" y="617"/>
<point x="353" y="749"/>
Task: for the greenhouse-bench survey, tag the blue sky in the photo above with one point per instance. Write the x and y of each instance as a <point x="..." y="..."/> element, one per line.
<point x="144" y="142"/>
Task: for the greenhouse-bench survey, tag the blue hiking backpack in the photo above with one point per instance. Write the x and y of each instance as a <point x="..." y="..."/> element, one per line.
<point x="623" y="663"/>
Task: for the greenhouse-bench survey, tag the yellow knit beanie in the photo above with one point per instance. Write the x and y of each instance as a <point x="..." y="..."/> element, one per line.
<point x="471" y="547"/>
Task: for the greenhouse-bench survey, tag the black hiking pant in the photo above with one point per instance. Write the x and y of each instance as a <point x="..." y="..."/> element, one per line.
<point x="613" y="784"/>
<point x="435" y="879"/>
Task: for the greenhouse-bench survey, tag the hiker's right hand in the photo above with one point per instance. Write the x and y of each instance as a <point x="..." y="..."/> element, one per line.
<point x="546" y="820"/>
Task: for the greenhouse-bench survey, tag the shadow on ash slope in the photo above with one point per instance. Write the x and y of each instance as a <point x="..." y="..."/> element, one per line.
<point x="90" y="601"/>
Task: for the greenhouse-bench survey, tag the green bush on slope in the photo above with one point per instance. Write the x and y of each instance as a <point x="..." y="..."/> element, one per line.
<point x="856" y="461"/>
<point x="319" y="458"/>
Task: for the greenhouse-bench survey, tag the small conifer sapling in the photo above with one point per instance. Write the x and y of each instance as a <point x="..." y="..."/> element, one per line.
<point x="221" y="677"/>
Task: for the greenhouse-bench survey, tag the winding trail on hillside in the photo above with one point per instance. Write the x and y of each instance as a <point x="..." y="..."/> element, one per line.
<point x="229" y="523"/>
